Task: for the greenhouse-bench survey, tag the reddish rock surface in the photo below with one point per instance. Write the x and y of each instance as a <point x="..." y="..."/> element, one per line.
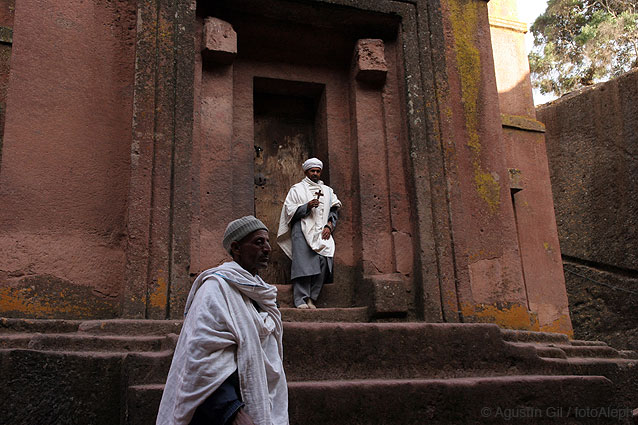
<point x="66" y="156"/>
<point x="592" y="145"/>
<point x="369" y="61"/>
<point x="219" y="41"/>
<point x="127" y="151"/>
<point x="592" y="148"/>
<point x="123" y="162"/>
<point x="529" y="180"/>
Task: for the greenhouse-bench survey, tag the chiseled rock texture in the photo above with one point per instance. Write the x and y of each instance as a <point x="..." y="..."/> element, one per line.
<point x="123" y="162"/>
<point x="592" y="145"/>
<point x="602" y="312"/>
<point x="113" y="371"/>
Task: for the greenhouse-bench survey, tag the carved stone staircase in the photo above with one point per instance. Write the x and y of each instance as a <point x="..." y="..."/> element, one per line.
<point x="112" y="371"/>
<point x="334" y="306"/>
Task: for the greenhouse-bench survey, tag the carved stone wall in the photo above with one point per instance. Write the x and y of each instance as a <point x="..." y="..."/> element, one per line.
<point x="529" y="180"/>
<point x="592" y="145"/>
<point x="129" y="145"/>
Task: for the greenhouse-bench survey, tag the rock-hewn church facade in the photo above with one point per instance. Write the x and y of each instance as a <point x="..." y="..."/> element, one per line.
<point x="134" y="131"/>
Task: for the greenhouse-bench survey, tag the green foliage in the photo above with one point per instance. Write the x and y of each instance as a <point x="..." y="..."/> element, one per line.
<point x="581" y="42"/>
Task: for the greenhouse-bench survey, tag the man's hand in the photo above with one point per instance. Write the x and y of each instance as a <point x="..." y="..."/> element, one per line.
<point x="326" y="233"/>
<point x="313" y="204"/>
<point x="242" y="418"/>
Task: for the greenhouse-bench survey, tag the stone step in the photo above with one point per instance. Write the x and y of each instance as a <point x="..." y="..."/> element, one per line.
<point x="532" y="336"/>
<point x="77" y="356"/>
<point x="15" y="341"/>
<point x="354" y="314"/>
<point x="142" y="404"/>
<point x="147" y="368"/>
<point x="624" y="372"/>
<point x="406" y="353"/>
<point x="337" y="295"/>
<point x="95" y="327"/>
<point x="564" y="351"/>
<point x="596" y="351"/>
<point x="10" y="325"/>
<point x="333" y="351"/>
<point x="328" y="350"/>
<point x="60" y="388"/>
<point x="87" y="343"/>
<point x="315" y="351"/>
<point x="493" y="400"/>
<point x="325" y="350"/>
<point x="131" y="327"/>
<point x="152" y="368"/>
<point x="542" y="350"/>
<point x="579" y="342"/>
<point x="591" y="365"/>
<point x="628" y="354"/>
<point x="139" y="368"/>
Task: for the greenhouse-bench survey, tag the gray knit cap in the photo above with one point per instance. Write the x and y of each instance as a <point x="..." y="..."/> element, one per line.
<point x="240" y="228"/>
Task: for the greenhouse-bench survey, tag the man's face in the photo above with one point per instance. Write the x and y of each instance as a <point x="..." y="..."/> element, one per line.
<point x="313" y="174"/>
<point x="253" y="251"/>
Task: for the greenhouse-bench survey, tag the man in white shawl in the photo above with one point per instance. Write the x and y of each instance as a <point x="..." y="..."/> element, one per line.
<point x="227" y="367"/>
<point x="308" y="219"/>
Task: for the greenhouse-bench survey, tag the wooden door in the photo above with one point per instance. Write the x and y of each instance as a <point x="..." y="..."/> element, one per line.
<point x="284" y="139"/>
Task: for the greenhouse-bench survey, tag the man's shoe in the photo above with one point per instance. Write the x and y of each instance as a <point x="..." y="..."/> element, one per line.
<point x="303" y="306"/>
<point x="311" y="304"/>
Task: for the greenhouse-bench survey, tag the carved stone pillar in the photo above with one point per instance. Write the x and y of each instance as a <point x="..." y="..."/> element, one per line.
<point x="382" y="284"/>
<point x="213" y="143"/>
<point x="158" y="215"/>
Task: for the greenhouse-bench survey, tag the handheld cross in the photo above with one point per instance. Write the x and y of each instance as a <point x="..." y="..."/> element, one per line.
<point x="318" y="193"/>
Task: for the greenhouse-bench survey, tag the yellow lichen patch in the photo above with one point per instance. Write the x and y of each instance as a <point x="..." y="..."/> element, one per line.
<point x="25" y="302"/>
<point x="548" y="248"/>
<point x="463" y="17"/>
<point x="158" y="297"/>
<point x="473" y="256"/>
<point x="449" y="298"/>
<point x="488" y="188"/>
<point x="512" y="316"/>
<point x="523" y="123"/>
<point x="50" y="297"/>
<point x="165" y="29"/>
<point x="561" y="325"/>
<point x="15" y="300"/>
<point x="464" y="21"/>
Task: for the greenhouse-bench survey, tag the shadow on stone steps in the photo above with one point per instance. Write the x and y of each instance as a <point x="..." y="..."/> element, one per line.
<point x="429" y="369"/>
<point x="493" y="400"/>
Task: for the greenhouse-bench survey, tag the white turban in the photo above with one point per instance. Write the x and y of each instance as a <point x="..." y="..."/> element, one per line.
<point x="312" y="163"/>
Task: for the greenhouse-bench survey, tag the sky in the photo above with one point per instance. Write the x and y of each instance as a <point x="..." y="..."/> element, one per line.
<point x="528" y="11"/>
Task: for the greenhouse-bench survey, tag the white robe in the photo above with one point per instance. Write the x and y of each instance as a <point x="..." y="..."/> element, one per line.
<point x="312" y="225"/>
<point x="224" y="332"/>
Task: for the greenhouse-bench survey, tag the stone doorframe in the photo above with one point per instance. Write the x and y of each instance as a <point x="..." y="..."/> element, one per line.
<point x="159" y="211"/>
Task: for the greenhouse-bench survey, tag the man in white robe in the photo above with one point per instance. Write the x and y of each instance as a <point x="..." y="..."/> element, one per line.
<point x="227" y="367"/>
<point x="308" y="219"/>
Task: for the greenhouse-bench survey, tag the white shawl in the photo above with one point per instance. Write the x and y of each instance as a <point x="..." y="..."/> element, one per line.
<point x="312" y="225"/>
<point x="222" y="332"/>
